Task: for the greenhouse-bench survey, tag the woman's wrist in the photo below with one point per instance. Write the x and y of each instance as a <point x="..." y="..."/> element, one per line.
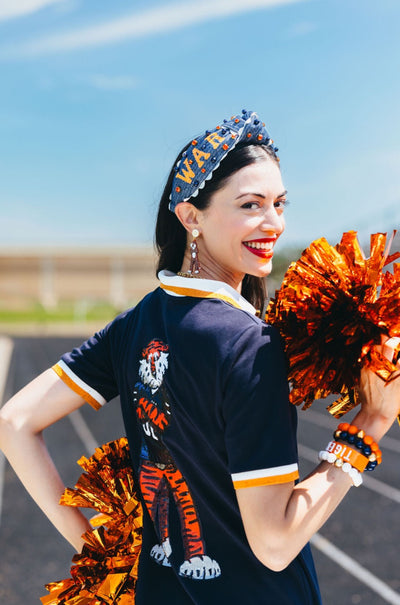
<point x="375" y="425"/>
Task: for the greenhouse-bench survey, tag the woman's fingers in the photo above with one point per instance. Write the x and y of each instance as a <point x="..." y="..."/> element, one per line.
<point x="391" y="348"/>
<point x="380" y="400"/>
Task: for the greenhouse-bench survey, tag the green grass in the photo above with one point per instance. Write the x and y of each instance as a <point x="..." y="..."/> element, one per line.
<point x="79" y="312"/>
<point x="83" y="311"/>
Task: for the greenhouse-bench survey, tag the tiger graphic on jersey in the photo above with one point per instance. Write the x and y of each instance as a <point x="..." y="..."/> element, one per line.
<point x="159" y="477"/>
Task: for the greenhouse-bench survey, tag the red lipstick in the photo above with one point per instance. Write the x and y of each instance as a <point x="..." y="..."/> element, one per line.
<point x="265" y="253"/>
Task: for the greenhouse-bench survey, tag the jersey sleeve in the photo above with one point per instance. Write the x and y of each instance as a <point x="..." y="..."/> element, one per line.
<point x="89" y="369"/>
<point x="260" y="422"/>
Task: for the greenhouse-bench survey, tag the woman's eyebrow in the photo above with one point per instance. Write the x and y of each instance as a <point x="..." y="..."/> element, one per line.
<point x="259" y="194"/>
<point x="250" y="193"/>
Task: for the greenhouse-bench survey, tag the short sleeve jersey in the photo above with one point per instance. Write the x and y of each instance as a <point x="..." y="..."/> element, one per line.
<point x="204" y="396"/>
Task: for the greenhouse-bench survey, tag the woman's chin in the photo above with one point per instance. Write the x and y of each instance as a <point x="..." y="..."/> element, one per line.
<point x="262" y="271"/>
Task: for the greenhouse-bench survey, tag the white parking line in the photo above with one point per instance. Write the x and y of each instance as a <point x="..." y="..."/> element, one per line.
<point x="355" y="569"/>
<point x="83" y="431"/>
<point x="381" y="488"/>
<point x="6" y="349"/>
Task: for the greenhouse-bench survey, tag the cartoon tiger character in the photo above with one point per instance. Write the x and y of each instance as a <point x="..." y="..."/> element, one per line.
<point x="158" y="475"/>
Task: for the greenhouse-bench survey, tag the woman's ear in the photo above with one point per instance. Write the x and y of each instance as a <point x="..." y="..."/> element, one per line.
<point x="188" y="215"/>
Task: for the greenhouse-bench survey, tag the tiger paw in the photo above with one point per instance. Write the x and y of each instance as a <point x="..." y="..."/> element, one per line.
<point x="159" y="555"/>
<point x="200" y="568"/>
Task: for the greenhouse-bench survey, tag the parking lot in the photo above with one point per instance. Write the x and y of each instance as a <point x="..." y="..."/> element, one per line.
<point x="357" y="552"/>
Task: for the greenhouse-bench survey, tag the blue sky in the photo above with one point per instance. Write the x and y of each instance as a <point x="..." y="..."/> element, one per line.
<point x="97" y="97"/>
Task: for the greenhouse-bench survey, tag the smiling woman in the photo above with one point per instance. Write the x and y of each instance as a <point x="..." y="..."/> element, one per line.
<point x="238" y="228"/>
<point x="205" y="401"/>
<point x="249" y="201"/>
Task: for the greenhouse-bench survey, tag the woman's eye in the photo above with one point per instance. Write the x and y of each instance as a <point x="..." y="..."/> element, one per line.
<point x="281" y="204"/>
<point x="251" y="205"/>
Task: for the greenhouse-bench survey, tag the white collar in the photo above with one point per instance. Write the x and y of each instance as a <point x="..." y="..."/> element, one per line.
<point x="176" y="285"/>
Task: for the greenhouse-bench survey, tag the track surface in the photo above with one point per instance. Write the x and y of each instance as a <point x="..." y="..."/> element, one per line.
<point x="365" y="526"/>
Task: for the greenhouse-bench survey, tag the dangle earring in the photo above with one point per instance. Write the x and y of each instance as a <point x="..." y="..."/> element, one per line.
<point x="194" y="269"/>
<point x="194" y="255"/>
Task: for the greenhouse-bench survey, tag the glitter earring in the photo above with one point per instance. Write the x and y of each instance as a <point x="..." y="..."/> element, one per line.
<point x="194" y="255"/>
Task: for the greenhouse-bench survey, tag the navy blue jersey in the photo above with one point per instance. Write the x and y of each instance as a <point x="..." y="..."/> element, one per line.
<point x="204" y="396"/>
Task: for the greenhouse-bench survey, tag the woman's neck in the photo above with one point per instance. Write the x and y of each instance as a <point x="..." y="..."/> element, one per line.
<point x="210" y="270"/>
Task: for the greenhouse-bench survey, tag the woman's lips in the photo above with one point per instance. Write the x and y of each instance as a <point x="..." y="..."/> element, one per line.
<point x="261" y="252"/>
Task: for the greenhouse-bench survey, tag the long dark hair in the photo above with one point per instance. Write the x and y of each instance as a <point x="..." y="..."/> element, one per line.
<point x="170" y="234"/>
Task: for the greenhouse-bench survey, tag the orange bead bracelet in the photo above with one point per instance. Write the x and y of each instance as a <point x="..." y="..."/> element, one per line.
<point x="365" y="443"/>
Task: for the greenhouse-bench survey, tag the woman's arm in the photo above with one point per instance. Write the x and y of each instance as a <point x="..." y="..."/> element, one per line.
<point x="22" y="420"/>
<point x="280" y="519"/>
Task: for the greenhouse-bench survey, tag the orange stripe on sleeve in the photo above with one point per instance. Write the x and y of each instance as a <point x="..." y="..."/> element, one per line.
<point x="77" y="389"/>
<point x="273" y="480"/>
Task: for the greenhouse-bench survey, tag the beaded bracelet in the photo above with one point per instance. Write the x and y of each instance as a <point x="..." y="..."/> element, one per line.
<point x="354" y="436"/>
<point x="347" y="454"/>
<point x="346" y="467"/>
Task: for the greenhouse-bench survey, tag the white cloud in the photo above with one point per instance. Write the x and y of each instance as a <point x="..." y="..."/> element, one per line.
<point x="19" y="8"/>
<point x="103" y="82"/>
<point x="161" y="19"/>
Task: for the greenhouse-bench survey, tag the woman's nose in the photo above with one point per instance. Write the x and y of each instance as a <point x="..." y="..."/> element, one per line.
<point x="273" y="222"/>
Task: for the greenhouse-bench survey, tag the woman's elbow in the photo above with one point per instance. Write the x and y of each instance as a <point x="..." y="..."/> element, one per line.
<point x="275" y="558"/>
<point x="5" y="430"/>
<point x="275" y="563"/>
<point x="12" y="424"/>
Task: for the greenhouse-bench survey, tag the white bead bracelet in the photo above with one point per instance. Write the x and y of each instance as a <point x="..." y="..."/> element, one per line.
<point x="330" y="457"/>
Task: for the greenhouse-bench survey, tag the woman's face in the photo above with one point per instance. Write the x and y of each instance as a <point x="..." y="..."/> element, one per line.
<point x="241" y="225"/>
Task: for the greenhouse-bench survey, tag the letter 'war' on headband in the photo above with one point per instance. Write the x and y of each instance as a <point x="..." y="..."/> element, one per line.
<point x="204" y="154"/>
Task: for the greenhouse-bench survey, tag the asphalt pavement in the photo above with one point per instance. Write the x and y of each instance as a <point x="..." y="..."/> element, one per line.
<point x="357" y="552"/>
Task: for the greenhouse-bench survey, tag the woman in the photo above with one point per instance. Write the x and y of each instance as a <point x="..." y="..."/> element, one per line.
<point x="204" y="396"/>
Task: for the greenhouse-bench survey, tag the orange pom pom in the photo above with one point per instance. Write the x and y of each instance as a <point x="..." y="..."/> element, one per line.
<point x="106" y="570"/>
<point x="331" y="311"/>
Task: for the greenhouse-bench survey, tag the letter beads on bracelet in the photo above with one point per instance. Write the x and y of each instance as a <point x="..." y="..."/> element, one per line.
<point x="346" y="467"/>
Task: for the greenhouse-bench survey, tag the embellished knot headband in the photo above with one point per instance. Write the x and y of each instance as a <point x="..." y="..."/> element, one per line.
<point x="205" y="153"/>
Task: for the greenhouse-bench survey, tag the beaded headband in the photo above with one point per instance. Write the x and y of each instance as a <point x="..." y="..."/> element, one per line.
<point x="204" y="154"/>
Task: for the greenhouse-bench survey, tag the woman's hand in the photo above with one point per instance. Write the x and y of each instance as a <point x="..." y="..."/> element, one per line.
<point x="380" y="400"/>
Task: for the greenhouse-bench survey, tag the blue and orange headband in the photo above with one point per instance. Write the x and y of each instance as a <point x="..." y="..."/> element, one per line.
<point x="204" y="154"/>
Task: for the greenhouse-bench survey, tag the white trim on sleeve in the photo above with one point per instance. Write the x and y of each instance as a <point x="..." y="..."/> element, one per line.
<point x="81" y="384"/>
